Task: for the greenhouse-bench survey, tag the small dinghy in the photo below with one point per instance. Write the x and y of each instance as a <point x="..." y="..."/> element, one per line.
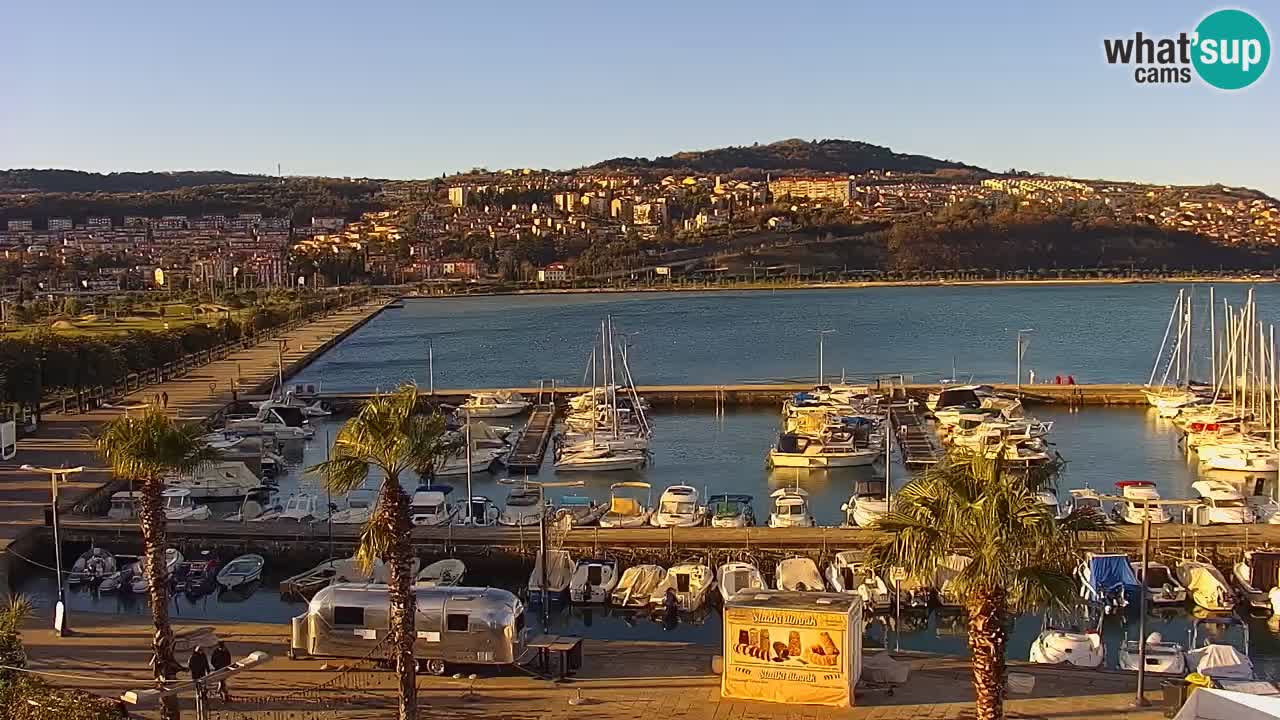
<point x="798" y="574"/>
<point x="94" y="565"/>
<point x="1206" y="586"/>
<point x="636" y="585"/>
<point x="525" y="507"/>
<point x="593" y="581"/>
<point x="241" y="571"/>
<point x="442" y="573"/>
<point x="559" y="572"/>
<point x="1162" y="657"/>
<point x="1062" y="643"/>
<point x="736" y="577"/>
<point x="138" y="582"/>
<point x="580" y="511"/>
<point x="196" y="577"/>
<point x="1163" y="589"/>
<point x="626" y="507"/>
<point x="847" y="574"/>
<point x="692" y="584"/>
<point x="119" y="580"/>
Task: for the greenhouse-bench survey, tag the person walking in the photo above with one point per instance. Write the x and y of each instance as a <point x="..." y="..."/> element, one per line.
<point x="219" y="659"/>
<point x="198" y="664"/>
<point x="164" y="399"/>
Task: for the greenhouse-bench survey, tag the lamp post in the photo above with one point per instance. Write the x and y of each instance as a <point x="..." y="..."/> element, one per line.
<point x="60" y="611"/>
<point x="1021" y="348"/>
<point x="822" y="336"/>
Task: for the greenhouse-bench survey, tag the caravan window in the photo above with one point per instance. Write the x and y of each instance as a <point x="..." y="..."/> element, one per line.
<point x="346" y="615"/>
<point x="456" y="622"/>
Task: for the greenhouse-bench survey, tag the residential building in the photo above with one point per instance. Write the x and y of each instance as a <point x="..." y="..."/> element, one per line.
<point x="830" y="189"/>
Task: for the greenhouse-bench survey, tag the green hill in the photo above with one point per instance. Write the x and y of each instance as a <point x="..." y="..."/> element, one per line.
<point x="841" y="156"/>
<point x="32" y="180"/>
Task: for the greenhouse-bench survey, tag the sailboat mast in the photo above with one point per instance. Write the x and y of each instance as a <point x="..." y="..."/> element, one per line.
<point x="1189" y="343"/>
<point x="1213" y="340"/>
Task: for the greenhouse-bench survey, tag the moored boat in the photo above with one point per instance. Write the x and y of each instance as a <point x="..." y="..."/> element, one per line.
<point x="691" y="582"/>
<point x="593" y="581"/>
<point x="736" y="577"/>
<point x="446" y="572"/>
<point x="241" y="571"/>
<point x="636" y="585"/>
<point x="798" y="574"/>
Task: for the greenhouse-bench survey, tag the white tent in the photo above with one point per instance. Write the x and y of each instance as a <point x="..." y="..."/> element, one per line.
<point x="1210" y="704"/>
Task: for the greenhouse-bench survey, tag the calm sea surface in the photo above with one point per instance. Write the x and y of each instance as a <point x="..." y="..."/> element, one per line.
<point x="1097" y="333"/>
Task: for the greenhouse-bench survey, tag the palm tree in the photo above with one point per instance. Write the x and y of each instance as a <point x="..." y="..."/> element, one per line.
<point x="144" y="449"/>
<point x="1022" y="557"/>
<point x="390" y="435"/>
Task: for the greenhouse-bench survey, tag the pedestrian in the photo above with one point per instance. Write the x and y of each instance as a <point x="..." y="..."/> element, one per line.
<point x="164" y="400"/>
<point x="1071" y="379"/>
<point x="198" y="664"/>
<point x="1057" y="379"/>
<point x="221" y="658"/>
<point x="1032" y="380"/>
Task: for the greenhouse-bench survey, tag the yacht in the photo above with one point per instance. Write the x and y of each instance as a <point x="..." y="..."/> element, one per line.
<point x="178" y="505"/>
<point x="1223" y="504"/>
<point x="944" y="577"/>
<point x="865" y="509"/>
<point x="833" y="449"/>
<point x="429" y="506"/>
<point x="1239" y="457"/>
<point x="798" y="574"/>
<point x="848" y="574"/>
<point x="692" y="584"/>
<point x="1132" y="510"/>
<point x="790" y="508"/>
<point x="495" y="404"/>
<point x="1256" y="576"/>
<point x="1162" y="586"/>
<point x="303" y="507"/>
<point x="626" y="508"/>
<point x="731" y="510"/>
<point x="1049" y="501"/>
<point x="1161" y="656"/>
<point x="580" y="510"/>
<point x="359" y="509"/>
<point x="736" y="577"/>
<point x="1206" y="586"/>
<point x="636" y="585"/>
<point x="315" y="408"/>
<point x="282" y="423"/>
<point x="1087" y="500"/>
<point x="678" y="507"/>
<point x="483" y="460"/>
<point x="593" y="581"/>
<point x="219" y="481"/>
<point x="525" y="507"/>
<point x="599" y="458"/>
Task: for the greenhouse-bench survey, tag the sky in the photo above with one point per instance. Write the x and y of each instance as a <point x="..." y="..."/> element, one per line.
<point x="418" y="88"/>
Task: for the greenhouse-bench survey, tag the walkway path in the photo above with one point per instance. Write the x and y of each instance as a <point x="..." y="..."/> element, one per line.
<point x="66" y="440"/>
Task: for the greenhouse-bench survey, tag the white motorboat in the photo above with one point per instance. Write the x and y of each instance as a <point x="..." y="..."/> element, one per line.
<point x="479" y="511"/>
<point x="1087" y="500"/>
<point x="731" y="510"/>
<point x="253" y="511"/>
<point x="798" y="574"/>
<point x="1256" y="575"/>
<point x="92" y="566"/>
<point x="626" y="507"/>
<point x="559" y="571"/>
<point x="241" y="571"/>
<point x="593" y="581"/>
<point x="1206" y="586"/>
<point x="138" y="582"/>
<point x="525" y="507"/>
<point x="359" y="509"/>
<point x="1068" y="646"/>
<point x="1049" y="500"/>
<point x="1161" y="656"/>
<point x="847" y="574"/>
<point x="864" y="510"/>
<point x="315" y="408"/>
<point x="832" y="450"/>
<point x="678" y="507"/>
<point x="441" y="573"/>
<point x="483" y="460"/>
<point x="1223" y="504"/>
<point x="282" y="423"/>
<point x="736" y="577"/>
<point x="1132" y="509"/>
<point x="580" y="511"/>
<point x="1108" y="582"/>
<point x="1220" y="660"/>
<point x="219" y="481"/>
<point x="1162" y="586"/>
<point x="429" y="506"/>
<point x="179" y="506"/>
<point x="1239" y="458"/>
<point x="124" y="506"/>
<point x="790" y="508"/>
<point x="600" y="458"/>
<point x="495" y="404"/>
<point x="944" y="580"/>
<point x="637" y="584"/>
<point x="692" y="584"/>
<point x="303" y="508"/>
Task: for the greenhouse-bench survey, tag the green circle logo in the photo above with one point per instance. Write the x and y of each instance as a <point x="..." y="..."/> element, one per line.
<point x="1231" y="49"/>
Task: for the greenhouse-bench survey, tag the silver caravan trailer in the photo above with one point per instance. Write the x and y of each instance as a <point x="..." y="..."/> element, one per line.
<point x="481" y="626"/>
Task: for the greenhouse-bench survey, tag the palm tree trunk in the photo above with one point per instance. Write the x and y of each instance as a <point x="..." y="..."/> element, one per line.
<point x="988" y="635"/>
<point x="151" y="519"/>
<point x="394" y="508"/>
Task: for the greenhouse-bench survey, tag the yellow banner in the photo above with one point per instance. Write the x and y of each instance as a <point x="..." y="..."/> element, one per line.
<point x="786" y="656"/>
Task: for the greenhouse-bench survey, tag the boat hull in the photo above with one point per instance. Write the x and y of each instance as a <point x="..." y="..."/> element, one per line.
<point x="829" y="460"/>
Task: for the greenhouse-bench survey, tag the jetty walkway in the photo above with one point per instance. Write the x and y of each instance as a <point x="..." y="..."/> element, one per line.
<point x="66" y="440"/>
<point x="619" y="680"/>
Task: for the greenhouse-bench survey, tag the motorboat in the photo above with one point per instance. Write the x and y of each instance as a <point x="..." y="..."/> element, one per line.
<point x="495" y="404"/>
<point x="333" y="570"/>
<point x="600" y="458"/>
<point x="179" y="506"/>
<point x="1087" y="500"/>
<point x="636" y="585"/>
<point x="429" y="506"/>
<point x="1206" y="586"/>
<point x="790" y="508"/>
<point x="359" y="509"/>
<point x="580" y="510"/>
<point x="273" y="464"/>
<point x="124" y="506"/>
<point x="121" y="579"/>
<point x="798" y="574"/>
<point x="1219" y="660"/>
<point x="479" y="511"/>
<point x="1132" y="509"/>
<point x="1068" y="646"/>
<point x="626" y="508"/>
<point x="138" y="582"/>
<point x="219" y="481"/>
<point x="303" y="508"/>
<point x="525" y="507"/>
<point x="593" y="580"/>
<point x="1162" y="586"/>
<point x="312" y="409"/>
<point x="222" y="440"/>
<point x="945" y="577"/>
<point x="92" y="566"/>
<point x="692" y="583"/>
<point x="911" y="592"/>
<point x="731" y="510"/>
<point x="482" y="460"/>
<point x="559" y="571"/>
<point x="241" y="571"/>
<point x="1107" y="581"/>
<point x="446" y="572"/>
<point x="1245" y="458"/>
<point x="1223" y="504"/>
<point x="1048" y="499"/>
<point x="847" y="574"/>
<point x="736" y="577"/>
<point x="253" y="511"/>
<point x="678" y="507"/>
<point x="865" y="510"/>
<point x="1161" y="656"/>
<point x="834" y="449"/>
<point x="282" y="423"/>
<point x="196" y="577"/>
<point x="1256" y="575"/>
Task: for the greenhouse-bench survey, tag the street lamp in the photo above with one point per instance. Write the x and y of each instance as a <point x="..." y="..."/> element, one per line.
<point x="60" y="611"/>
<point x="822" y="336"/>
<point x="1020" y="350"/>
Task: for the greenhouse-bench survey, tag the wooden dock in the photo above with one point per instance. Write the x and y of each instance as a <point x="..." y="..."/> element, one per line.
<point x="917" y="441"/>
<point x="531" y="446"/>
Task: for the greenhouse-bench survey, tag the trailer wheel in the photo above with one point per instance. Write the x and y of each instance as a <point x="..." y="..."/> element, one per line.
<point x="435" y="667"/>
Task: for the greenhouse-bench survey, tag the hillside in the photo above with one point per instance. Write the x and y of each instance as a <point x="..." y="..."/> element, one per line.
<point x="840" y="156"/>
<point x="76" y="181"/>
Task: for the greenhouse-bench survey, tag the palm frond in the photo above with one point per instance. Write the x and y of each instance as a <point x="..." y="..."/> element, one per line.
<point x="151" y="445"/>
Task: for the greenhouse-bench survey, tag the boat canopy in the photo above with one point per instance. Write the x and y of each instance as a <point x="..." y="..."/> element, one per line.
<point x="1109" y="572"/>
<point x="737" y="498"/>
<point x="1221" y="661"/>
<point x="780" y="492"/>
<point x="1203" y="579"/>
<point x="576" y="501"/>
<point x="1264" y="568"/>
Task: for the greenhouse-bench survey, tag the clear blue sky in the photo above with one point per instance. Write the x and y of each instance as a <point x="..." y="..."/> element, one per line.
<point x="413" y="89"/>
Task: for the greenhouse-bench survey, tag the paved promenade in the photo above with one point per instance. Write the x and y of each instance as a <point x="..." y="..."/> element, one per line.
<point x="619" y="680"/>
<point x="66" y="440"/>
